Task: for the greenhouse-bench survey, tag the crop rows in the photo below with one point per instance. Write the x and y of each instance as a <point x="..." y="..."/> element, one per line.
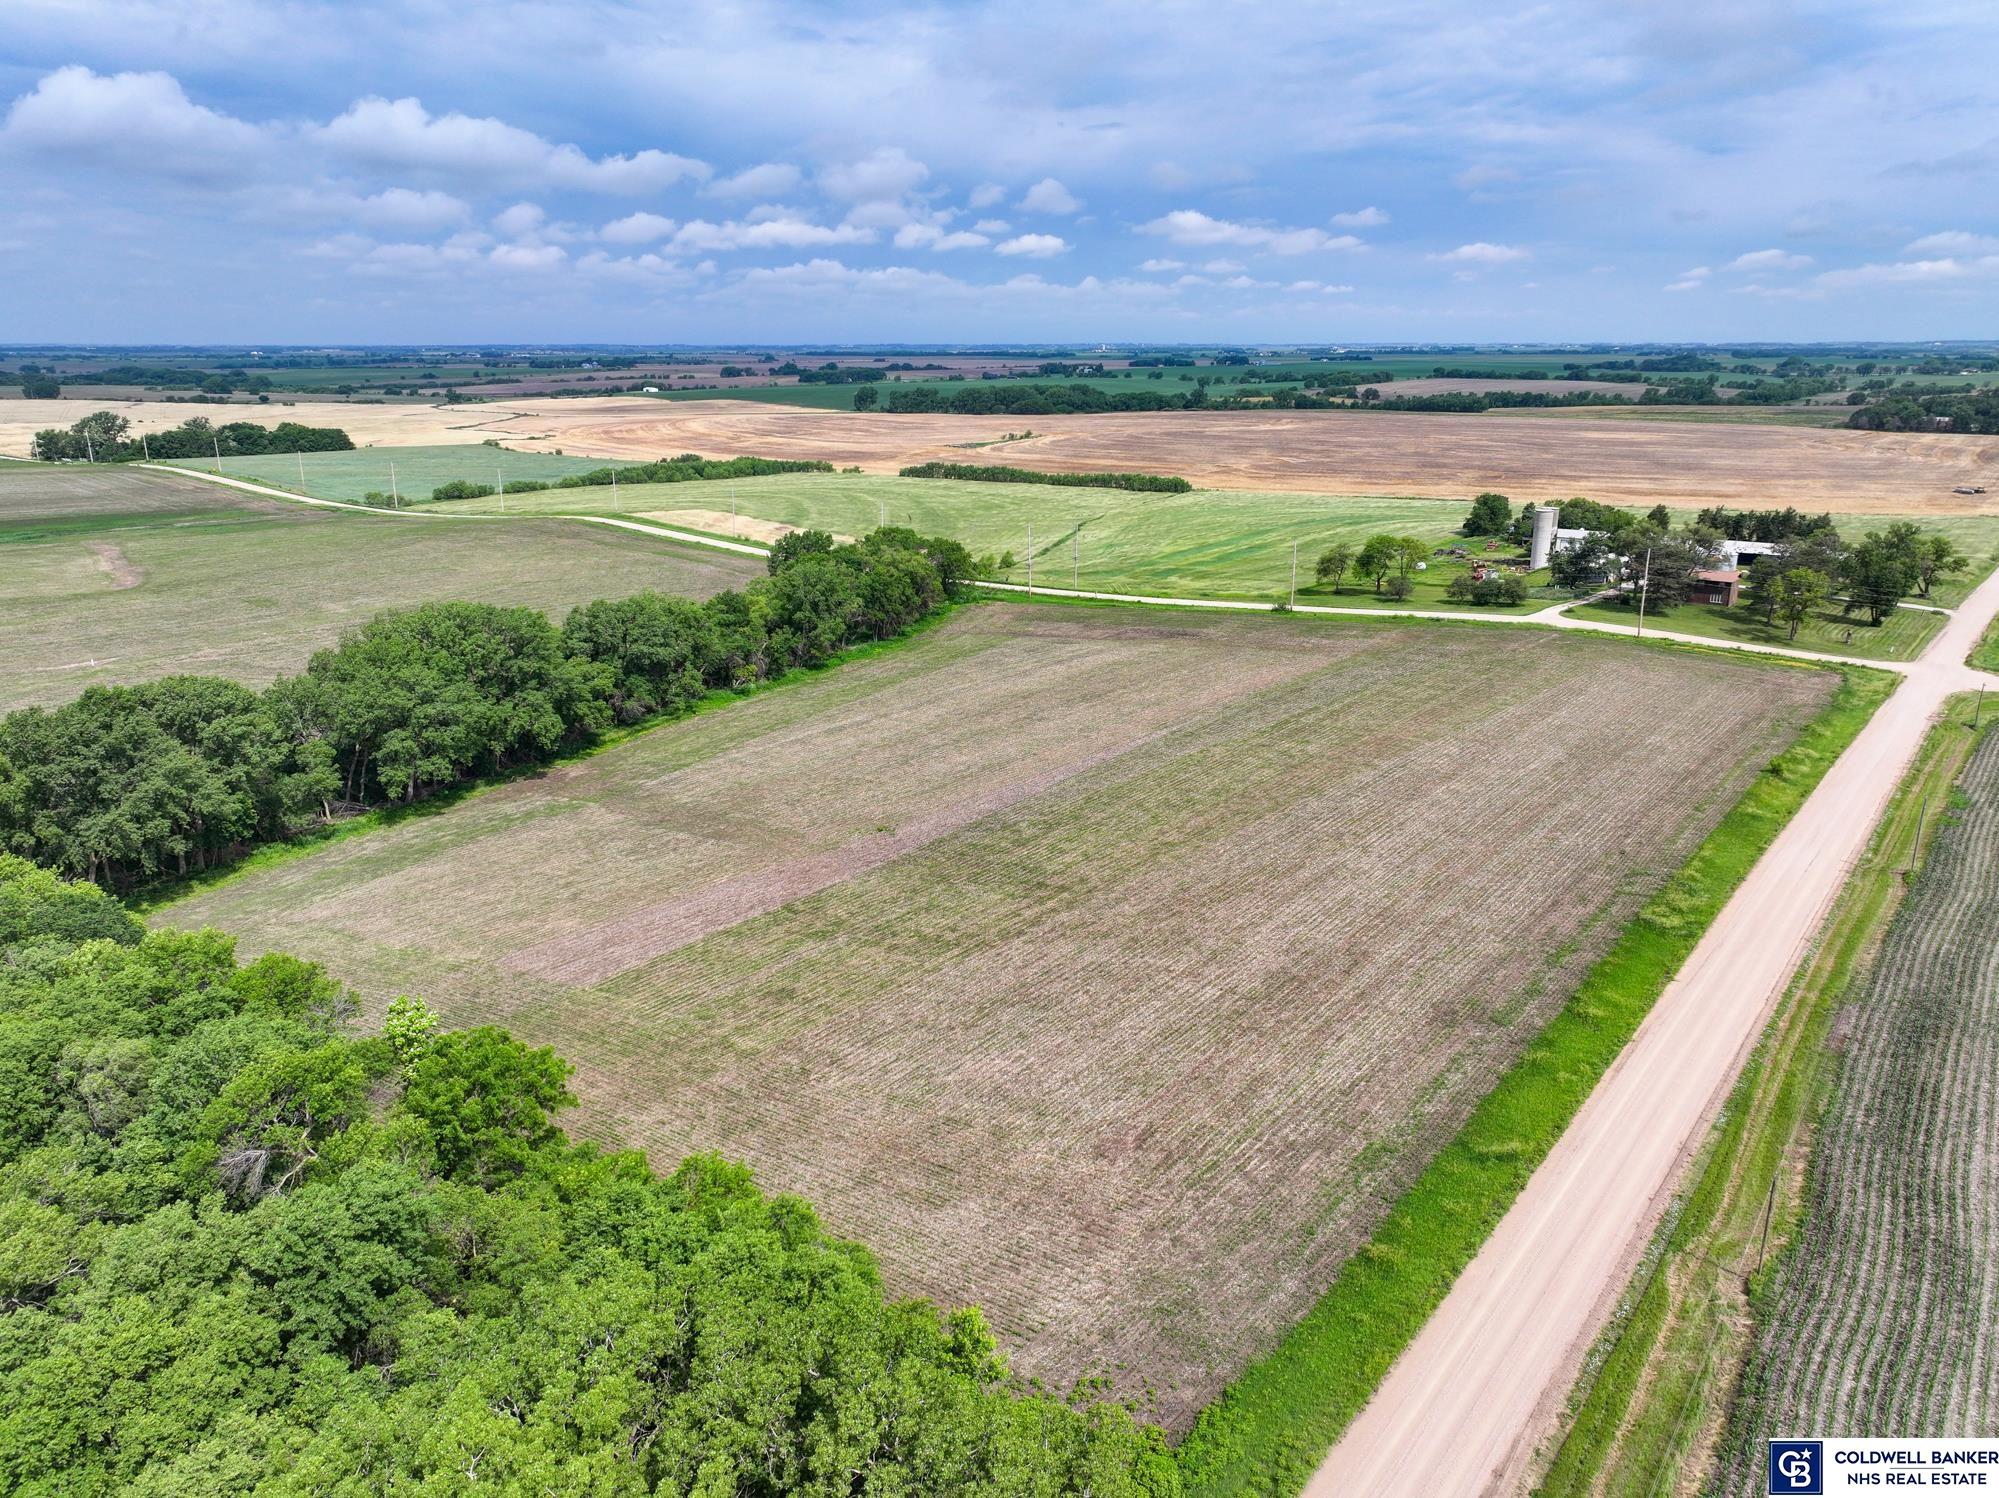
<point x="1210" y="932"/>
<point x="1884" y="1318"/>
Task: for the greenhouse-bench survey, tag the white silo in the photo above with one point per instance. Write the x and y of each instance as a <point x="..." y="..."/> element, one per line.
<point x="1543" y="540"/>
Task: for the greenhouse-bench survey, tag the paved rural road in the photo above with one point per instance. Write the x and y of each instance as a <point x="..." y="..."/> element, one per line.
<point x="1461" y="1411"/>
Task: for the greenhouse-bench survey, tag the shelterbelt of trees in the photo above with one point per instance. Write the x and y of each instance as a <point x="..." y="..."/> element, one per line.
<point x="105" y="437"/>
<point x="687" y="468"/>
<point x="246" y="1251"/>
<point x="1156" y="483"/>
<point x="128" y="783"/>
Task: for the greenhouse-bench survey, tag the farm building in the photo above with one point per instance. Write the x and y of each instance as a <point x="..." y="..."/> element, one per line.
<point x="1719" y="585"/>
<point x="1733" y="552"/>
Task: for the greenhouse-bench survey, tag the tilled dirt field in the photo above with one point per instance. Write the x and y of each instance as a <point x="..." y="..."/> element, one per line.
<point x="1325" y="452"/>
<point x="1108" y="969"/>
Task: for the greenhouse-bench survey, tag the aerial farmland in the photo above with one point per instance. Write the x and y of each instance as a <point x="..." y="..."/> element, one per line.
<point x="1080" y="917"/>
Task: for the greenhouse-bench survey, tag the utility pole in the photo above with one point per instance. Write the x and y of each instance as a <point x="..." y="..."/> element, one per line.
<point x="216" y="438"/>
<point x="395" y="498"/>
<point x="301" y="469"/>
<point x="500" y="477"/>
<point x="1769" y="1209"/>
<point x="1644" y="587"/>
<point x="1294" y="575"/>
<point x="146" y="447"/>
<point x="89" y="452"/>
<point x="1916" y="848"/>
<point x="1076" y="560"/>
<point x="1978" y="707"/>
<point x="1030" y="559"/>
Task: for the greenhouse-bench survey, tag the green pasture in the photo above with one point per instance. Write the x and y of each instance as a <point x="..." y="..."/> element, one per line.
<point x="127" y="575"/>
<point x="418" y="470"/>
<point x="1210" y="543"/>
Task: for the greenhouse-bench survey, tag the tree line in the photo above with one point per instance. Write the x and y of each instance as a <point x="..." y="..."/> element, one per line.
<point x="1023" y="400"/>
<point x="1974" y="411"/>
<point x="126" y="784"/>
<point x="1155" y="483"/>
<point x="249" y="1249"/>
<point x="105" y="437"/>
<point x="687" y="468"/>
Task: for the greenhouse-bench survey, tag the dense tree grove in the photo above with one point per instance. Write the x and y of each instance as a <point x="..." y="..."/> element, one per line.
<point x="128" y="783"/>
<point x="1490" y="515"/>
<point x="992" y="473"/>
<point x="997" y="399"/>
<point x="1930" y="411"/>
<point x="243" y="1251"/>
<point x="105" y="437"/>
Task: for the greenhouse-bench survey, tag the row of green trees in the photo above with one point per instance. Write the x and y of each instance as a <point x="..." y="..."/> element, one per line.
<point x="997" y="399"/>
<point x="105" y="437"/>
<point x="245" y="1250"/>
<point x="994" y="473"/>
<point x="128" y="783"/>
<point x="687" y="468"/>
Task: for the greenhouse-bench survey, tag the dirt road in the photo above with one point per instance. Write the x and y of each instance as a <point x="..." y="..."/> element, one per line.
<point x="1463" y="1408"/>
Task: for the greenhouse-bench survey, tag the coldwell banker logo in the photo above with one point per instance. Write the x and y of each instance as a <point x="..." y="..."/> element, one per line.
<point x="1797" y="1467"/>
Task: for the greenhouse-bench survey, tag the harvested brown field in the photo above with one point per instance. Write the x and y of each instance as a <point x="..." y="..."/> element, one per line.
<point x="1337" y="452"/>
<point x="1110" y="969"/>
<point x="1420" y="454"/>
<point x="722" y="523"/>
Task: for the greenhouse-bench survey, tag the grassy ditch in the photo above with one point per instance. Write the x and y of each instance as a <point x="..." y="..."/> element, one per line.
<point x="1273" y="1425"/>
<point x="1647" y="1412"/>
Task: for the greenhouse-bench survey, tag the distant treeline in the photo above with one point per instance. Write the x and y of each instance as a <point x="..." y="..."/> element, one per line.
<point x="128" y="783"/>
<point x="1158" y="483"/>
<point x="686" y="468"/>
<point x="1974" y="411"/>
<point x="1033" y="400"/>
<point x="105" y="437"/>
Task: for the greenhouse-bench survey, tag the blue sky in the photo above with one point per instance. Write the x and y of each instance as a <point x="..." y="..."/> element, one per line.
<point x="521" y="171"/>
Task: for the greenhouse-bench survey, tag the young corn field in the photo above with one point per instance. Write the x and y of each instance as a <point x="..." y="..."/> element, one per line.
<point x="1110" y="969"/>
<point x="1883" y="1319"/>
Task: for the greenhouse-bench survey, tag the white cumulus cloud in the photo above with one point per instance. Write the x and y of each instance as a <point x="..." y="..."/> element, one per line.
<point x="1762" y="260"/>
<point x="132" y="120"/>
<point x="637" y="228"/>
<point x="1369" y="217"/>
<point x="402" y="134"/>
<point x="1037" y="246"/>
<point x="1189" y="226"/>
<point x="1049" y="196"/>
<point x="1479" y="252"/>
<point x="771" y="179"/>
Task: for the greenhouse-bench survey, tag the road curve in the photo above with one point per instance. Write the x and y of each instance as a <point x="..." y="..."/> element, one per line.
<point x="1464" y="1406"/>
<point x="1552" y="616"/>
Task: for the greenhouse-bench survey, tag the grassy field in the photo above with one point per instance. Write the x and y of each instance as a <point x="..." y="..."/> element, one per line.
<point x="1647" y="1415"/>
<point x="1899" y="637"/>
<point x="418" y="470"/>
<point x="1878" y="1320"/>
<point x="133" y="575"/>
<point x="1111" y="968"/>
<point x="1210" y="543"/>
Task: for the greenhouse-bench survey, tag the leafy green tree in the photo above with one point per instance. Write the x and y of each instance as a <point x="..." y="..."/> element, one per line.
<point x="1879" y="572"/>
<point x="1378" y="557"/>
<point x="1936" y="556"/>
<point x="1797" y="592"/>
<point x="1491" y="515"/>
<point x="487" y="1101"/>
<point x="40" y="387"/>
<point x="1411" y="552"/>
<point x="1333" y="564"/>
<point x="866" y="398"/>
<point x="792" y="545"/>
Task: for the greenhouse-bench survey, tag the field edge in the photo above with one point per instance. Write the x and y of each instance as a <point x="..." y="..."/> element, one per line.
<point x="1273" y="1424"/>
